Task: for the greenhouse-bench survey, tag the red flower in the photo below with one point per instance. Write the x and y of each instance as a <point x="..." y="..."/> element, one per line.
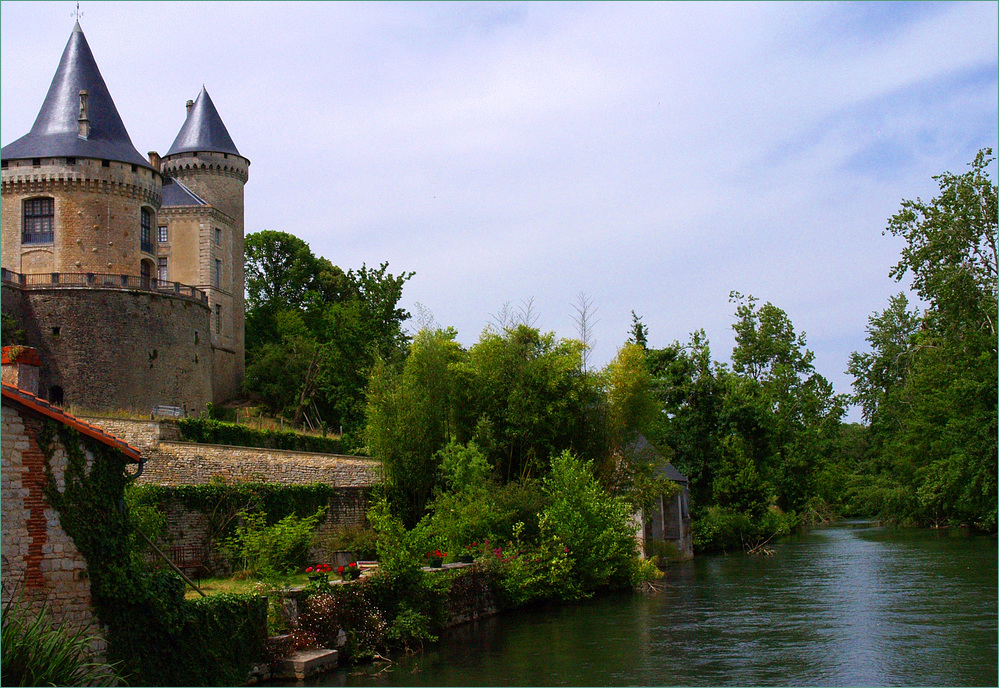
<point x="308" y="570"/>
<point x="340" y="570"/>
<point x="353" y="564"/>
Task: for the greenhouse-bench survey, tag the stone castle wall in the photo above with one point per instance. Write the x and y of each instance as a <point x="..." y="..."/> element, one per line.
<point x="96" y="219"/>
<point x="170" y="462"/>
<point x="40" y="560"/>
<point x="111" y="349"/>
<point x="187" y="463"/>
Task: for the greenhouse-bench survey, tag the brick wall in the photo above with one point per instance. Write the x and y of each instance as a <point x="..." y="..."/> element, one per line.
<point x="39" y="559"/>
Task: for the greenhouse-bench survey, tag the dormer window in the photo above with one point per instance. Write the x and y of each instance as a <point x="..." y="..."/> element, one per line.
<point x="39" y="221"/>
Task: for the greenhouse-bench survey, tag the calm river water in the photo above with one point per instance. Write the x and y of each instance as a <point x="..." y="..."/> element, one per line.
<point x="847" y="605"/>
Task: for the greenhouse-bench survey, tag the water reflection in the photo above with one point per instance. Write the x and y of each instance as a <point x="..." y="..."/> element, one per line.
<point x="846" y="605"/>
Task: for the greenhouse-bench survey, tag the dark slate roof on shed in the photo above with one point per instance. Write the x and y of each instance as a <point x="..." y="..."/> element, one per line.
<point x="55" y="132"/>
<point x="175" y="193"/>
<point x="640" y="446"/>
<point x="203" y="130"/>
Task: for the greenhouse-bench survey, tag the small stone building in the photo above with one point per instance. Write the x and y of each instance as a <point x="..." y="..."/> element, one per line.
<point x="668" y="520"/>
<point x="40" y="562"/>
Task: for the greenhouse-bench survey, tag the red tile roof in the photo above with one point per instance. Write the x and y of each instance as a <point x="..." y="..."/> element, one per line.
<point x="28" y="400"/>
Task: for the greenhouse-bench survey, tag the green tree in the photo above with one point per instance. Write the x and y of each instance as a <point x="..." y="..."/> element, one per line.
<point x="531" y="390"/>
<point x="314" y="331"/>
<point x="412" y="415"/>
<point x="928" y="386"/>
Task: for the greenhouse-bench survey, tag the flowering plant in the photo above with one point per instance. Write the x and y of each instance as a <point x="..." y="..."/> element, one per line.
<point x="436" y="558"/>
<point x="349" y="572"/>
<point x="318" y="572"/>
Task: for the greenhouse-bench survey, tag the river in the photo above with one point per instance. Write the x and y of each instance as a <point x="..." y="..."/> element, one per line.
<point x="845" y="605"/>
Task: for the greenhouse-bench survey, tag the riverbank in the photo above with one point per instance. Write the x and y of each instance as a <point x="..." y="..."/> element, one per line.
<point x="847" y="604"/>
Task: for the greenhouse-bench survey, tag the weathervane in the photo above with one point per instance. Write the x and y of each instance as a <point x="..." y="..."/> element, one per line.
<point x="78" y="13"/>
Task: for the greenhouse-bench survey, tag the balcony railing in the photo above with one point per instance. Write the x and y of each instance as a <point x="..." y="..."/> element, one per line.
<point x="97" y="280"/>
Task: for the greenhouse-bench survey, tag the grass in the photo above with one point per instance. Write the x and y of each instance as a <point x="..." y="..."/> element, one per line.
<point x="218" y="586"/>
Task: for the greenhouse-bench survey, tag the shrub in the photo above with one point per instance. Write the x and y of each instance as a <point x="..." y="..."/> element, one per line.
<point x="209" y="431"/>
<point x="272" y="550"/>
<point x="593" y="524"/>
<point x="723" y="529"/>
<point x="363" y="542"/>
<point x="342" y="617"/>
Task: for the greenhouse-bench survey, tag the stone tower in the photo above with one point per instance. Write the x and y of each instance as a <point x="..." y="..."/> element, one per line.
<point x="201" y="227"/>
<point x="76" y="195"/>
<point x="81" y="210"/>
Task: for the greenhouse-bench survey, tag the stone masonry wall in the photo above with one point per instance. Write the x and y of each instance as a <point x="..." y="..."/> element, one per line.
<point x="96" y="219"/>
<point x="186" y="463"/>
<point x="190" y="540"/>
<point x="39" y="559"/>
<point x="115" y="349"/>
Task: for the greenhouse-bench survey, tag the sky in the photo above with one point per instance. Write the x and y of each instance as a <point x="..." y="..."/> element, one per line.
<point x="650" y="157"/>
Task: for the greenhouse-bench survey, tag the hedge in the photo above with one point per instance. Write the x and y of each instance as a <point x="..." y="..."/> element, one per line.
<point x="208" y="431"/>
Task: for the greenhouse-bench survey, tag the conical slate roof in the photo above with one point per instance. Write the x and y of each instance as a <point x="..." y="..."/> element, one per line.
<point x="203" y="130"/>
<point x="56" y="132"/>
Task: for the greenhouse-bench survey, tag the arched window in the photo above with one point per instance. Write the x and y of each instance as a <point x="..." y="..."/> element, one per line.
<point x="39" y="221"/>
<point x="145" y="230"/>
<point x="55" y="395"/>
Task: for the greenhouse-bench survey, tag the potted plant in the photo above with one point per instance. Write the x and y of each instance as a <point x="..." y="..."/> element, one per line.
<point x="349" y="572"/>
<point x="436" y="558"/>
<point x="468" y="553"/>
<point x="319" y="573"/>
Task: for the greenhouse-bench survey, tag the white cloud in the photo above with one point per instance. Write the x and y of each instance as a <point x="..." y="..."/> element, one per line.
<point x="656" y="156"/>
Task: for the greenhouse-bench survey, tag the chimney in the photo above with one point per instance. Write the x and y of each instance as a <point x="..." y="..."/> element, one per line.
<point x="20" y="368"/>
<point x="154" y="160"/>
<point x="83" y="120"/>
<point x="190" y="104"/>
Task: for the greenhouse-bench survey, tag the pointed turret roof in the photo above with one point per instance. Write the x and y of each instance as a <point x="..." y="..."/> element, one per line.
<point x="203" y="130"/>
<point x="56" y="132"/>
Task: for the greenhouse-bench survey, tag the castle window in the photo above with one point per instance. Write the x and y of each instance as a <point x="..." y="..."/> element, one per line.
<point x="217" y="275"/>
<point x="146" y="230"/>
<point x="36" y="162"/>
<point x="39" y="217"/>
<point x="218" y="318"/>
<point x="162" y="268"/>
<point x="164" y="235"/>
<point x="56" y="395"/>
<point x="70" y="160"/>
<point x="218" y="236"/>
<point x="105" y="163"/>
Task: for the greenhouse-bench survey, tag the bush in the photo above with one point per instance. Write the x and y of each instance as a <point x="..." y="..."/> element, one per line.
<point x="342" y="617"/>
<point x="363" y="542"/>
<point x="594" y="525"/>
<point x="32" y="653"/>
<point x="209" y="431"/>
<point x="282" y="548"/>
<point x="723" y="529"/>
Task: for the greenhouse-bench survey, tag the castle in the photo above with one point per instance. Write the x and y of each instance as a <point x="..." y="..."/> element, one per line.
<point x="125" y="273"/>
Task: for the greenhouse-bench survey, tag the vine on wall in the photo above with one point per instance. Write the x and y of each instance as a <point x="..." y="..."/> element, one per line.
<point x="158" y="638"/>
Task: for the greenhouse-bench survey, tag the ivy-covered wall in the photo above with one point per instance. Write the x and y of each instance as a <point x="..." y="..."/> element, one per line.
<point x="67" y="540"/>
<point x="41" y="561"/>
<point x="199" y="516"/>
